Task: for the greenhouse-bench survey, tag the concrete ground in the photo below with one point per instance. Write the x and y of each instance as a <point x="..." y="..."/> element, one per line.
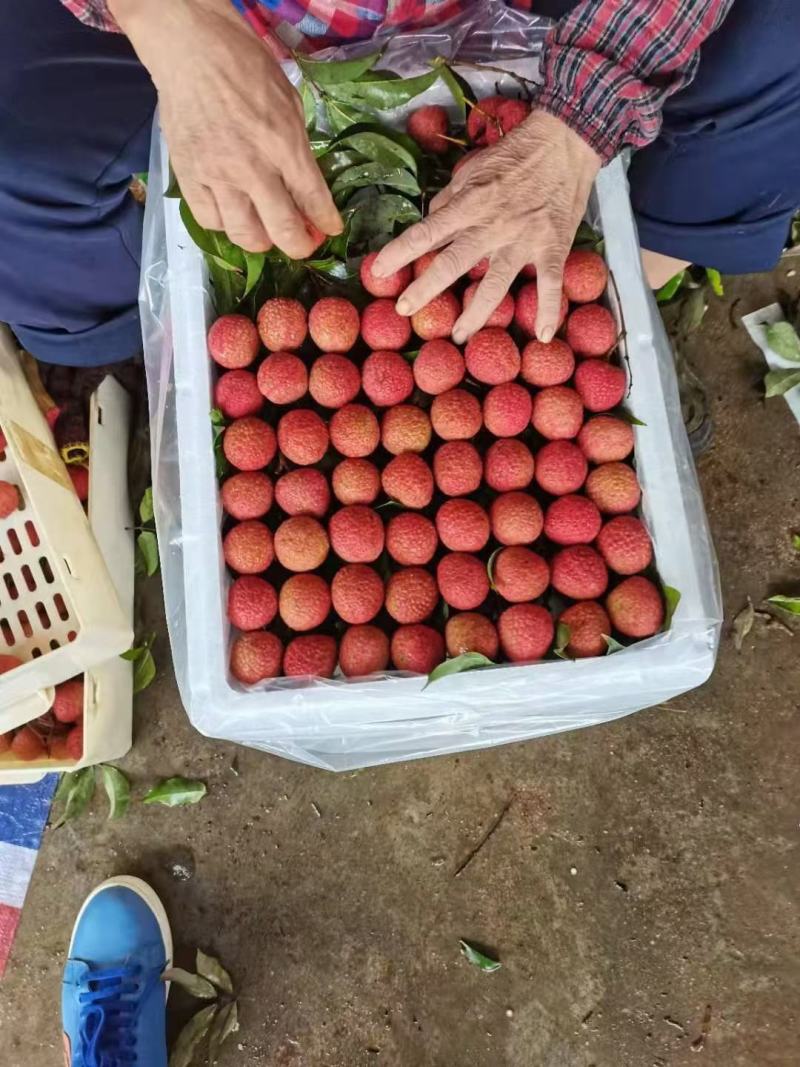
<point x="641" y="891"/>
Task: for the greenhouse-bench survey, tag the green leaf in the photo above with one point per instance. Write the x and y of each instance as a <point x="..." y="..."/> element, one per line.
<point x="146" y="505"/>
<point x="192" y="1036"/>
<point x="587" y="236"/>
<point x="324" y="72"/>
<point x="309" y="98"/>
<point x="779" y="382"/>
<point x="75" y="793"/>
<point x="377" y="216"/>
<point x="334" y="163"/>
<point x="467" y="661"/>
<point x="381" y="93"/>
<point x="743" y="624"/>
<point x="254" y="266"/>
<point x="225" y="1024"/>
<point x="672" y="598"/>
<point x="138" y="651"/>
<point x="144" y="671"/>
<point x="218" y="424"/>
<point x="147" y="547"/>
<point x="796" y="541"/>
<point x="341" y="117"/>
<point x="670" y="288"/>
<point x="783" y="340"/>
<point x="612" y="645"/>
<point x="213" y="242"/>
<point x="194" y="984"/>
<point x="562" y="640"/>
<point x="375" y="143"/>
<point x="176" y="793"/>
<point x="217" y="418"/>
<point x="210" y="967"/>
<point x="173" y="188"/>
<point x="490" y="565"/>
<point x="117" y="789"/>
<point x="629" y="417"/>
<point x="790" y="604"/>
<point x="460" y="89"/>
<point x="365" y="174"/>
<point x="715" y="281"/>
<point x="478" y="959"/>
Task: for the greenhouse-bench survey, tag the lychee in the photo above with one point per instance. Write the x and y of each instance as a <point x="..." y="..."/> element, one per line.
<point x="9" y="662"/>
<point x="334" y="380"/>
<point x="252" y="602"/>
<point x="313" y="655"/>
<point x="417" y="649"/>
<point x="561" y="467"/>
<point x="247" y="547"/>
<point x="527" y="308"/>
<point x="357" y="593"/>
<point x="387" y="379"/>
<point x="334" y="324"/>
<point x="503" y="314"/>
<point x="462" y="525"/>
<point x="509" y="465"/>
<point x="405" y="428"/>
<point x="636" y="607"/>
<point x="614" y="487"/>
<point x="456" y="415"/>
<point x="457" y="468"/>
<point x="436" y="319"/>
<point x="5" y="741"/>
<point x="411" y="595"/>
<point x="482" y="115"/>
<point x="363" y="650"/>
<point x="588" y="625"/>
<point x="237" y="394"/>
<point x="79" y="475"/>
<point x="557" y="413"/>
<point x="355" y="481"/>
<point x="516" y="518"/>
<point x="10" y="499"/>
<point x="585" y="276"/>
<point x="429" y="127"/>
<point x="354" y="431"/>
<point x="462" y="580"/>
<point x="383" y="328"/>
<point x="591" y="330"/>
<point x="408" y="479"/>
<point x="304" y="601"/>
<point x="249" y="444"/>
<point x="302" y="436"/>
<point x="480" y="269"/>
<point x="68" y="700"/>
<point x="27" y="745"/>
<point x="301" y="543"/>
<point x="606" y="439"/>
<point x="283" y="378"/>
<point x="509" y="115"/>
<point x="438" y="367"/>
<point x="507" y="409"/>
<point x="411" y="539"/>
<point x="256" y="656"/>
<point x="600" y="385"/>
<point x="390" y="286"/>
<point x="625" y="545"/>
<point x="282" y="324"/>
<point x="526" y="632"/>
<point x="579" y="572"/>
<point x="492" y="356"/>
<point x="518" y="574"/>
<point x="233" y="341"/>
<point x="547" y="364"/>
<point x="470" y="632"/>
<point x="356" y="534"/>
<point x="303" y="492"/>
<point x="572" y="520"/>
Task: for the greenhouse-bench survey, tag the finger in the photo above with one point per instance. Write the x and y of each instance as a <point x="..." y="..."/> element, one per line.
<point x="281" y="218"/>
<point x="425" y="236"/>
<point x="503" y="269"/>
<point x="449" y="265"/>
<point x="203" y="204"/>
<point x="442" y="198"/>
<point x="240" y="220"/>
<point x="549" y="275"/>
<point x="312" y="195"/>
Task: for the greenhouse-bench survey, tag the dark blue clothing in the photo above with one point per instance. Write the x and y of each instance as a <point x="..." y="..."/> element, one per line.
<point x="718" y="187"/>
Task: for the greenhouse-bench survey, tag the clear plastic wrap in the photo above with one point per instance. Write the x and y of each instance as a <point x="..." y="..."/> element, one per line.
<point x="341" y="724"/>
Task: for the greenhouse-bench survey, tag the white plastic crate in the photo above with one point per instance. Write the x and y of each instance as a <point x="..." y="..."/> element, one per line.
<point x="108" y="687"/>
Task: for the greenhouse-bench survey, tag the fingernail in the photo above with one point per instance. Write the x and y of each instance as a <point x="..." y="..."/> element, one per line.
<point x="459" y="336"/>
<point x="547" y="334"/>
<point x="403" y="306"/>
<point x="378" y="269"/>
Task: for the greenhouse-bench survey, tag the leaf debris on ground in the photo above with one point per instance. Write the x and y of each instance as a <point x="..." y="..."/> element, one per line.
<point x="479" y="959"/>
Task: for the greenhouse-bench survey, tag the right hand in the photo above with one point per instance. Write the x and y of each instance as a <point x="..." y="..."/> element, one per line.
<point x="234" y="125"/>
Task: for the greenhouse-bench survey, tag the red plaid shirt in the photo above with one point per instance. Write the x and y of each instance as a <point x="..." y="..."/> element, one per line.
<point x="607" y="66"/>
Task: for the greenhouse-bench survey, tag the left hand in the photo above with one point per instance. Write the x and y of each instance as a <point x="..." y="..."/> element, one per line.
<point x="518" y="202"/>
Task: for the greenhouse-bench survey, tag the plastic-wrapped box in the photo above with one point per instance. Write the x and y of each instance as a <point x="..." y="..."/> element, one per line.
<point x="340" y="724"/>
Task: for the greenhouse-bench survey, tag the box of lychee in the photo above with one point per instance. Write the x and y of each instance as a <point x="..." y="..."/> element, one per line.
<point x="384" y="544"/>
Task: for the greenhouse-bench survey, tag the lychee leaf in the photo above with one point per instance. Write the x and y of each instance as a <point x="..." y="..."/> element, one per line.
<point x="379" y="144"/>
<point x="117" y="789"/>
<point x="217" y="418"/>
<point x="341" y="117"/>
<point x="383" y="94"/>
<point x="194" y="984"/>
<point x="715" y="281"/>
<point x="670" y="288"/>
<point x="378" y="216"/>
<point x="467" y="661"/>
<point x="309" y="98"/>
<point x="743" y="624"/>
<point x="782" y="338"/>
<point x="176" y="793"/>
<point x="254" y="266"/>
<point x="791" y="604"/>
<point x="672" y="598"/>
<point x="479" y="959"/>
<point x="147" y="551"/>
<point x="563" y="635"/>
<point x="146" y="505"/>
<point x="210" y="967"/>
<point x="587" y="237"/>
<point x="191" y="1037"/>
<point x="365" y="174"/>
<point x="460" y="89"/>
<point x="333" y="163"/>
<point x="144" y="670"/>
<point x="213" y="242"/>
<point x="629" y="417"/>
<point x="327" y="73"/>
<point x="225" y="1024"/>
<point x="796" y="541"/>
<point x="612" y="645"/>
<point x="779" y="382"/>
<point x="75" y="791"/>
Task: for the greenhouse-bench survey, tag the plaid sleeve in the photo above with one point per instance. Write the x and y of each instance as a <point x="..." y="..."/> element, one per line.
<point x="609" y="65"/>
<point x="93" y="13"/>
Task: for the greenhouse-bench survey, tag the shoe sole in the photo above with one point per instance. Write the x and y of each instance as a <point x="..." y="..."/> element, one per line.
<point x="153" y="901"/>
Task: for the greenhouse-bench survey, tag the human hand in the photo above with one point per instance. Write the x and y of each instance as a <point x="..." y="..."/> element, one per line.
<point x="517" y="202"/>
<point x="234" y="125"/>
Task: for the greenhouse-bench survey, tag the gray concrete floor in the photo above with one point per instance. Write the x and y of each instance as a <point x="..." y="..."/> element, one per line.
<point x="641" y="891"/>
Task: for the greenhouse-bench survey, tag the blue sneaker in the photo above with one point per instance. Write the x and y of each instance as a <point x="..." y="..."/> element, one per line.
<point x="113" y="1001"/>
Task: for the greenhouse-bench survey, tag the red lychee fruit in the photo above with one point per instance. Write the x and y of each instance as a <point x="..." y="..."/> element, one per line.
<point x="417" y="649"/>
<point x="282" y="324"/>
<point x="247" y="547"/>
<point x="527" y="307"/>
<point x="79" y="475"/>
<point x="492" y="356"/>
<point x="518" y="574"/>
<point x="27" y="745"/>
<point x="8" y="663"/>
<point x="606" y="439"/>
<point x="411" y="595"/>
<point x="303" y="492"/>
<point x="304" y="601"/>
<point x="408" y="479"/>
<point x="600" y="385"/>
<point x="614" y="487"/>
<point x="9" y="499"/>
<point x="356" y="481"/>
<point x="68" y="701"/>
<point x="438" y="367"/>
<point x="302" y="436"/>
<point x="561" y="467"/>
<point x="249" y="444"/>
<point x="283" y="378"/>
<point x="252" y="602"/>
<point x="383" y="328"/>
<point x="625" y="545"/>
<point x="387" y="379"/>
<point x="462" y="580"/>
<point x="636" y="607"/>
<point x="509" y="115"/>
<point x="419" y="266"/>
<point x="456" y="415"/>
<point x="457" y="468"/>
<point x="5" y="741"/>
<point x="233" y="341"/>
<point x="411" y="539"/>
<point x="334" y="380"/>
<point x="357" y="593"/>
<point x="58" y="746"/>
<point x="557" y="413"/>
<point x="591" y="330"/>
<point x="585" y="276"/>
<point x="470" y="632"/>
<point x="579" y="572"/>
<point x="313" y="655"/>
<point x="516" y="518"/>
<point x="588" y="626"/>
<point x="405" y="428"/>
<point x="507" y="409"/>
<point x="503" y="314"/>
<point x="237" y="394"/>
<point x="429" y="127"/>
<point x="462" y="525"/>
<point x="74" y="743"/>
<point x="480" y="270"/>
<point x="547" y="364"/>
<point x="390" y="286"/>
<point x="363" y="650"/>
<point x="301" y="543"/>
<point x="526" y="632"/>
<point x="355" y="431"/>
<point x="509" y="465"/>
<point x="334" y="324"/>
<point x="481" y="115"/>
<point x="572" y="520"/>
<point x="356" y="534"/>
<point x="437" y="318"/>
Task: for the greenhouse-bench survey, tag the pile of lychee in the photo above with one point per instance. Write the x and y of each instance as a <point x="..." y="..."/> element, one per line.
<point x="56" y="735"/>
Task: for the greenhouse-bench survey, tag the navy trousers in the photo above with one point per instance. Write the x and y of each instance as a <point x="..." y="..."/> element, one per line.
<point x="717" y="188"/>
